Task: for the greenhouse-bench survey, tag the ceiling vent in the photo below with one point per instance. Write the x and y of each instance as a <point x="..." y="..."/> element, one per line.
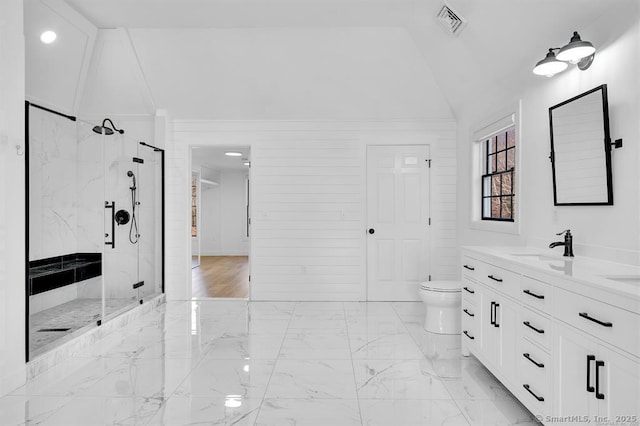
<point x="450" y="20"/>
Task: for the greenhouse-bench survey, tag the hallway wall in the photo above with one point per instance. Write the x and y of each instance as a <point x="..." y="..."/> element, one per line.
<point x="308" y="204"/>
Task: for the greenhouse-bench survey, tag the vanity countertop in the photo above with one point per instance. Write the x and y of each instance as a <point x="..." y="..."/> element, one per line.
<point x="618" y="278"/>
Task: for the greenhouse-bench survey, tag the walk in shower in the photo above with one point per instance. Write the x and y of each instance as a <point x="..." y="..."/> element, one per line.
<point x="95" y="225"/>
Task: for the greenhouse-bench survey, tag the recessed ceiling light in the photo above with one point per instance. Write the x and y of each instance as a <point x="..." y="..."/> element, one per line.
<point x="48" y="37"/>
<point x="247" y="163"/>
<point x="233" y="154"/>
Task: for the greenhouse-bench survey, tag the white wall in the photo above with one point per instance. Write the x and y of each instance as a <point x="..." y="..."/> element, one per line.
<point x="308" y="204"/>
<point x="612" y="232"/>
<point x="12" y="183"/>
<point x="224" y="215"/>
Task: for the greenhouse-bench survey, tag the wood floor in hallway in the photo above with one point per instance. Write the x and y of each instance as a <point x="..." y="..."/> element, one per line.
<point x="221" y="276"/>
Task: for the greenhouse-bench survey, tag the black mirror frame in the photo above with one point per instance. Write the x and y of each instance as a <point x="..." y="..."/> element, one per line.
<point x="607" y="148"/>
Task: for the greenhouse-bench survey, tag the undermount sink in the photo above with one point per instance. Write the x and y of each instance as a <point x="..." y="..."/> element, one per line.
<point x="535" y="256"/>
<point x="631" y="279"/>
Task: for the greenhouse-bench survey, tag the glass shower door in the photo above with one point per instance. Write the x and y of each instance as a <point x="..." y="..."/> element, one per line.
<point x="150" y="220"/>
<point x="121" y="257"/>
<point x="66" y="240"/>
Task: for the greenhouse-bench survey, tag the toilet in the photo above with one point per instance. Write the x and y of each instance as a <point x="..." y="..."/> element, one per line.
<point x="442" y="305"/>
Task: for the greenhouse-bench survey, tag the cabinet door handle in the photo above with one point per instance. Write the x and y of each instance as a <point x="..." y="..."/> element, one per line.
<point x="494" y="278"/>
<point x="537" y="330"/>
<point x="589" y="359"/>
<point x="537" y="364"/>
<point x="468" y="291"/>
<point x="468" y="335"/>
<point x="468" y="313"/>
<point x="598" y="365"/>
<point x="537" y="296"/>
<point x="495" y="321"/>
<point x="471" y="268"/>
<point x="597" y="321"/>
<point x="539" y="398"/>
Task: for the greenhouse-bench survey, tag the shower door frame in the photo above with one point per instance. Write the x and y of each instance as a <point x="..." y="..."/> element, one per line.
<point x="26" y="202"/>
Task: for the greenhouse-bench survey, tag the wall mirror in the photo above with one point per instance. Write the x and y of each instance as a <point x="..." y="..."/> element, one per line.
<point x="581" y="150"/>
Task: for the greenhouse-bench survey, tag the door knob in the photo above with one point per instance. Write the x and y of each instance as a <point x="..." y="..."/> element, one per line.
<point x="372" y="231"/>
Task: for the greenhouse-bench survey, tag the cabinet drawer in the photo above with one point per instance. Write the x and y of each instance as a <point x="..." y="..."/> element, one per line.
<point x="536" y="294"/>
<point x="534" y="370"/>
<point x="471" y="267"/>
<point x="534" y="367"/>
<point x="616" y="326"/>
<point x="469" y="290"/>
<point x="470" y="329"/>
<point x="501" y="279"/>
<point x="535" y="327"/>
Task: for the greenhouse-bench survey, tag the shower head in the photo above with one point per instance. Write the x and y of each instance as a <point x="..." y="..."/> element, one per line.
<point x="104" y="130"/>
<point x="131" y="175"/>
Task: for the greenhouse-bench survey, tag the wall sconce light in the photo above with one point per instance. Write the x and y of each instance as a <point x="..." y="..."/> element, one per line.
<point x="576" y="52"/>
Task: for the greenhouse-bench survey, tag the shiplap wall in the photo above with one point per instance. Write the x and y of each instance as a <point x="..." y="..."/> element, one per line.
<point x="308" y="206"/>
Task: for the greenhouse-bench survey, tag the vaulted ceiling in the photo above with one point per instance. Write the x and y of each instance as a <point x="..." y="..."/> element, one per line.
<point x="282" y="59"/>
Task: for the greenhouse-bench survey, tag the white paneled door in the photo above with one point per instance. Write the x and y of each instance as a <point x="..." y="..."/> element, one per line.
<point x="397" y="221"/>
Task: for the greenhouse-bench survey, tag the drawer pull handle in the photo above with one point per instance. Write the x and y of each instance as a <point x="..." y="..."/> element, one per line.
<point x="468" y="313"/>
<point x="468" y="335"/>
<point x="537" y="330"/>
<point x="539" y="398"/>
<point x="471" y="268"/>
<point x="589" y="359"/>
<point x="597" y="321"/>
<point x="598" y="365"/>
<point x="537" y="364"/>
<point x="494" y="278"/>
<point x="537" y="296"/>
<point x="469" y="291"/>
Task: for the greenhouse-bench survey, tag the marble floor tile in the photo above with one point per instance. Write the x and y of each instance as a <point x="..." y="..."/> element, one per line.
<point x="89" y="411"/>
<point x="410" y="412"/>
<point x="362" y="324"/>
<point x="29" y="410"/>
<point x="196" y="410"/>
<point x="309" y="412"/>
<point x="219" y="378"/>
<point x="369" y="309"/>
<point x="269" y="363"/>
<point x="502" y="412"/>
<point x="149" y="378"/>
<point x="387" y="346"/>
<point x="398" y="379"/>
<point x="249" y="346"/>
<point x="409" y="309"/>
<point x="69" y="378"/>
<point x="271" y="310"/>
<point x="315" y="379"/>
<point x="475" y="383"/>
<point x="315" y="344"/>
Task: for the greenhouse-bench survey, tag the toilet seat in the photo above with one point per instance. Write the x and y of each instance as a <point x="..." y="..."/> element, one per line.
<point x="441" y="286"/>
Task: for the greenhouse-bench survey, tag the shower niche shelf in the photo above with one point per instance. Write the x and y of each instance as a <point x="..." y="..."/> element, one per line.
<point x="59" y="271"/>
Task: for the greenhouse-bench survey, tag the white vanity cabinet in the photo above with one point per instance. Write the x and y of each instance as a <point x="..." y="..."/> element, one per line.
<point x="565" y="345"/>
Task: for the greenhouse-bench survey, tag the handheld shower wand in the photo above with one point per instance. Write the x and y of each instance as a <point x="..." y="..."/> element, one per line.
<point x="131" y="175"/>
<point x="134" y="236"/>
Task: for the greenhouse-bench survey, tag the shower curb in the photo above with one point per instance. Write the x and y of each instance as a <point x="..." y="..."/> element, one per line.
<point x="78" y="345"/>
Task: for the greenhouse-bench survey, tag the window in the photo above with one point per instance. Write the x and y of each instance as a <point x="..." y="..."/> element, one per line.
<point x="498" y="179"/>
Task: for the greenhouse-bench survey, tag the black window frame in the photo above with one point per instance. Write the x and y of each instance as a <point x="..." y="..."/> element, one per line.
<point x="487" y="154"/>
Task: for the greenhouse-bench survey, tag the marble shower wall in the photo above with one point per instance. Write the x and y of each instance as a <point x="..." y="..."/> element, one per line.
<point x="73" y="171"/>
<point x="53" y="158"/>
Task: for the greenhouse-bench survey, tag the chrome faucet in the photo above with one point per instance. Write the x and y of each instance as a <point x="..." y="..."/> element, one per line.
<point x="567" y="243"/>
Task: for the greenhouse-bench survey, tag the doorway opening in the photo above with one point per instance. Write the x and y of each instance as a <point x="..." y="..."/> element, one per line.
<point x="220" y="222"/>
